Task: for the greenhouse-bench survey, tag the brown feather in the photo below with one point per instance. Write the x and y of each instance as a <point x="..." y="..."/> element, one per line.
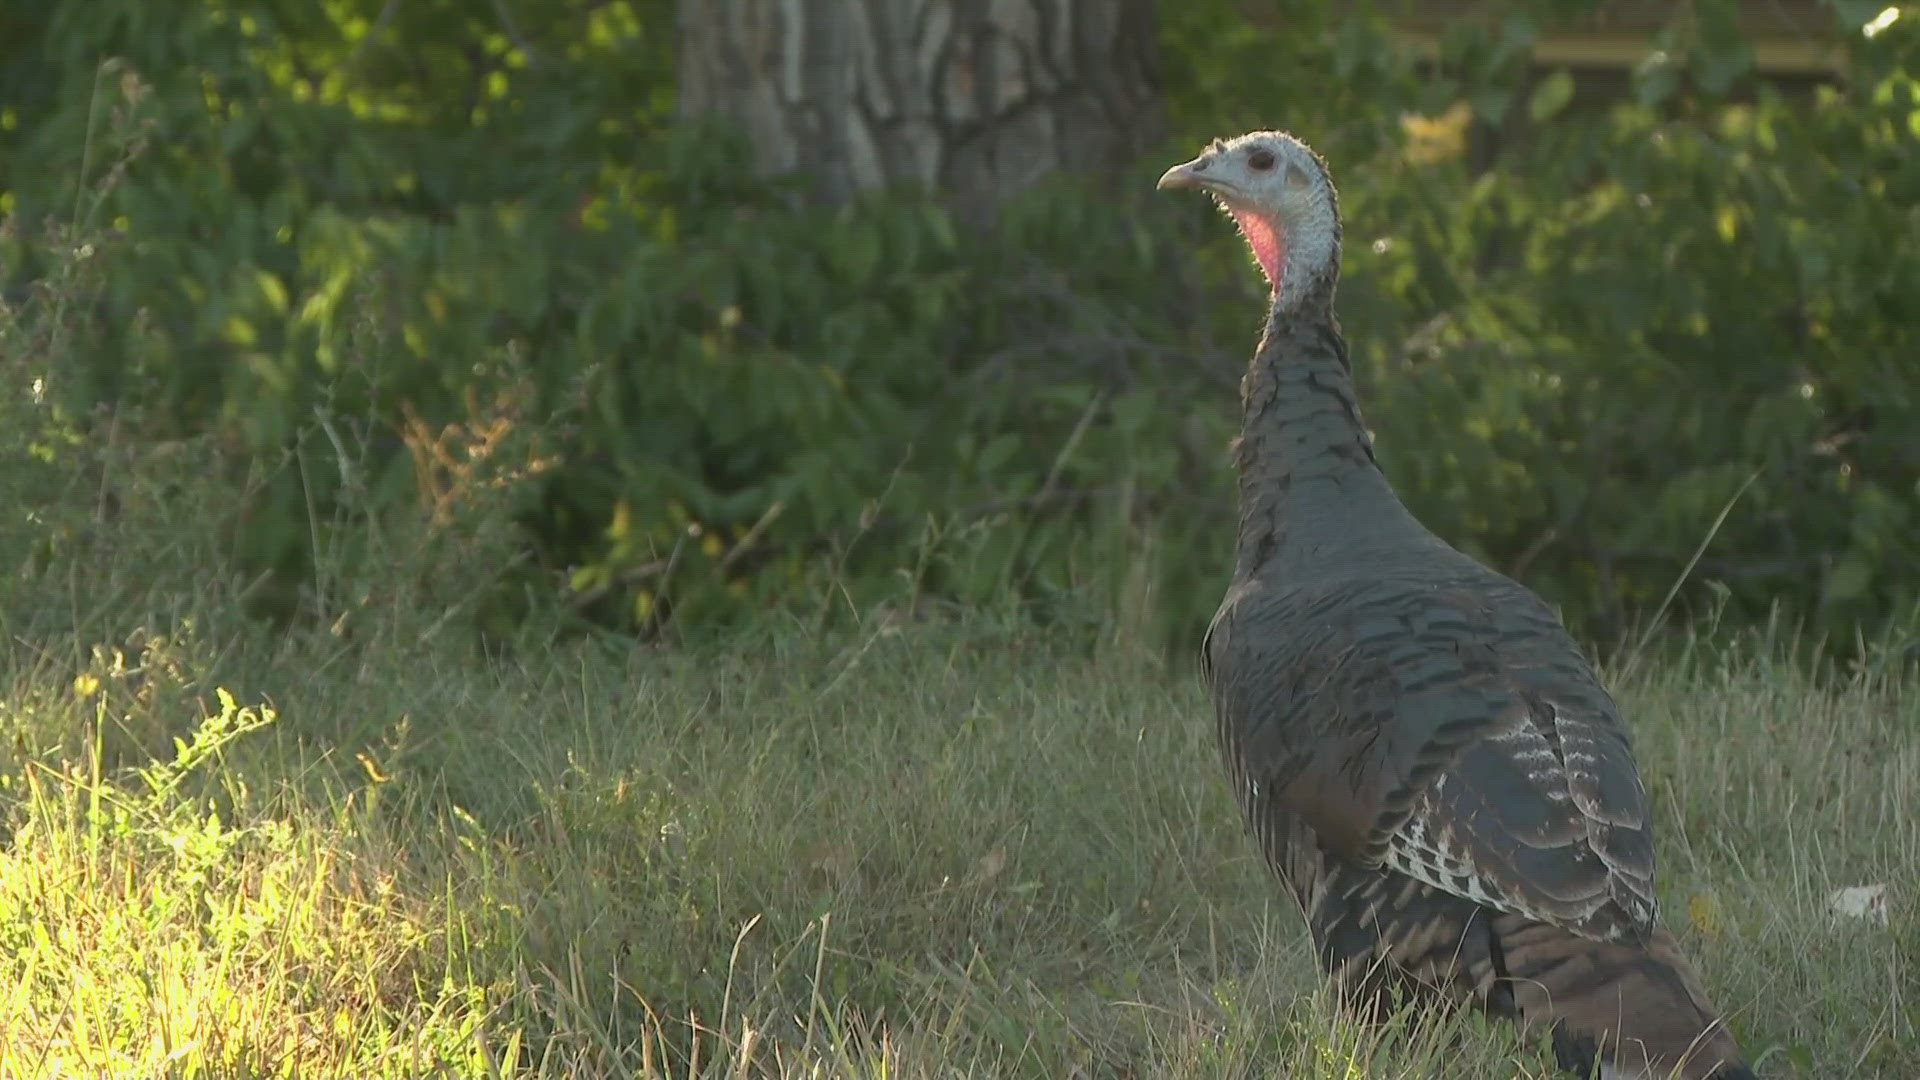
<point x="1634" y="1005"/>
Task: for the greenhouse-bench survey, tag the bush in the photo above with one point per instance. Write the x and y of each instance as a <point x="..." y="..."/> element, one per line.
<point x="1589" y="326"/>
<point x="495" y="285"/>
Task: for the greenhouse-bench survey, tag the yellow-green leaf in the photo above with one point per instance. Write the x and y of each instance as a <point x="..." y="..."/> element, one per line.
<point x="1551" y="96"/>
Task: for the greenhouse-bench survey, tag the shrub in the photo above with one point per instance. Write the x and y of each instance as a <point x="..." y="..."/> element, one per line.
<point x="504" y="288"/>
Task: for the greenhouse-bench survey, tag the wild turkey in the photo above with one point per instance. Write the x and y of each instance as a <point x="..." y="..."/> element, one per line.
<point x="1421" y="751"/>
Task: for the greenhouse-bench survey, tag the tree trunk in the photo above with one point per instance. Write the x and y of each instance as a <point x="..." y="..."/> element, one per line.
<point x="976" y="99"/>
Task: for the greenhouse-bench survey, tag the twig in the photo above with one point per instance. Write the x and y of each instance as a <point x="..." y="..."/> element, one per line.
<point x="1551" y="534"/>
<point x="513" y="31"/>
<point x="752" y="536"/>
<point x="1646" y="632"/>
<point x="1066" y="449"/>
<point x="380" y="22"/>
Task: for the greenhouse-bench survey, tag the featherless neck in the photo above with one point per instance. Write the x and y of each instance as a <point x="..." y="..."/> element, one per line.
<point x="1305" y="459"/>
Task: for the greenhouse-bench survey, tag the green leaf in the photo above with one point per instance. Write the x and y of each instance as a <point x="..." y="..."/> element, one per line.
<point x="1849" y="580"/>
<point x="1655" y="80"/>
<point x="860" y="252"/>
<point x="273" y="290"/>
<point x="1550" y="96"/>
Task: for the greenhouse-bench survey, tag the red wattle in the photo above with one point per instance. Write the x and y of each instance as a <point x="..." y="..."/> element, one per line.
<point x="1269" y="248"/>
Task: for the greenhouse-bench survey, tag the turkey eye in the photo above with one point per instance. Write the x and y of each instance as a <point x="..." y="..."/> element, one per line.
<point x="1261" y="160"/>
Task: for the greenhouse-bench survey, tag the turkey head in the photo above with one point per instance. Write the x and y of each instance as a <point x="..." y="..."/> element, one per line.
<point x="1278" y="192"/>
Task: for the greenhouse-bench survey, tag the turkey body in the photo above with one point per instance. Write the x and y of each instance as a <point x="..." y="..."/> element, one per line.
<point x="1422" y="752"/>
<point x="1428" y="763"/>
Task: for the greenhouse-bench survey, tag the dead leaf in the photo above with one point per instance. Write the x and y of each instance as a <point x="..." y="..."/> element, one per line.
<point x="1860" y="902"/>
<point x="1437" y="138"/>
<point x="1703" y="910"/>
<point x="990" y="865"/>
<point x="834" y="860"/>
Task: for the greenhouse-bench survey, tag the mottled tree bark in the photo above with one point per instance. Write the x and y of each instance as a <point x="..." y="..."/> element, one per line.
<point x="974" y="98"/>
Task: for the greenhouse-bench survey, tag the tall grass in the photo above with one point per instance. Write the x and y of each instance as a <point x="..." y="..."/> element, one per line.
<point x="946" y="850"/>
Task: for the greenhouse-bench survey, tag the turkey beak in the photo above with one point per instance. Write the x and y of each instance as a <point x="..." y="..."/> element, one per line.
<point x="1190" y="175"/>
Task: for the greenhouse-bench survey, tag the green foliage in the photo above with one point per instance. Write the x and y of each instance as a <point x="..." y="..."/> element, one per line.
<point x="1590" y="324"/>
<point x="697" y="398"/>
<point x="423" y="270"/>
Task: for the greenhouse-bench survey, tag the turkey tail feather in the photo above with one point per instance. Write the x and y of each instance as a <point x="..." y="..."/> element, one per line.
<point x="1637" y="1007"/>
<point x="1633" y="1008"/>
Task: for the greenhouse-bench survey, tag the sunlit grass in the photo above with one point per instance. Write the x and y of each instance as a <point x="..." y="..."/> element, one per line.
<point x="944" y="851"/>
